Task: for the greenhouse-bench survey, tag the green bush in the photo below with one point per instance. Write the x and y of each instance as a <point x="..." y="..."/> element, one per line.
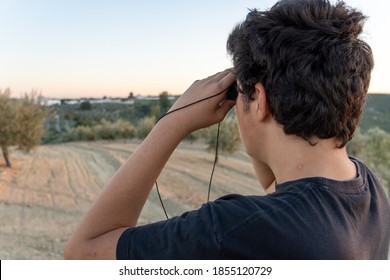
<point x="85" y="105"/>
<point x="105" y="130"/>
<point x="145" y="125"/>
<point x="373" y="148"/>
<point x="84" y="133"/>
<point x="123" y="130"/>
<point x="229" y="136"/>
<point x="111" y="131"/>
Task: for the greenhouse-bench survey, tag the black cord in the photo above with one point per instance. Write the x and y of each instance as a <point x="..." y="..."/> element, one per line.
<point x="162" y="204"/>
<point x="193" y="103"/>
<point x="214" y="164"/>
<point x="216" y="146"/>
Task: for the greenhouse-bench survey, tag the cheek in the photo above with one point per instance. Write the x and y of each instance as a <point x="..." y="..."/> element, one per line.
<point x="246" y="124"/>
<point x="241" y="120"/>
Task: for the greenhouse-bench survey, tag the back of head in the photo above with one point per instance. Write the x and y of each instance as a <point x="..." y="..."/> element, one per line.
<point x="311" y="62"/>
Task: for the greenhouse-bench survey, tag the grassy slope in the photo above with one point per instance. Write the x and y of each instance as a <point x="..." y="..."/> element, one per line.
<point x="376" y="113"/>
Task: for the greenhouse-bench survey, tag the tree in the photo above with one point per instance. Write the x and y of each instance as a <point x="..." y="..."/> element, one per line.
<point x="85" y="105"/>
<point x="21" y="122"/>
<point x="7" y="124"/>
<point x="164" y="102"/>
<point x="145" y="125"/>
<point x="229" y="136"/>
<point x="30" y="121"/>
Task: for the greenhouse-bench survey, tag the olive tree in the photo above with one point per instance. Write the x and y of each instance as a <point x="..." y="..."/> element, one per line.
<point x="7" y="124"/>
<point x="21" y="122"/>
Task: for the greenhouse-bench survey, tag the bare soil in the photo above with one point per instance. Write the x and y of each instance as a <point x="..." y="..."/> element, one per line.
<point x="46" y="193"/>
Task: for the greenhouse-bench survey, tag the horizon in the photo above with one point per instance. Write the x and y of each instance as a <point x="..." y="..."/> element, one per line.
<point x="21" y="95"/>
<point x="91" y="49"/>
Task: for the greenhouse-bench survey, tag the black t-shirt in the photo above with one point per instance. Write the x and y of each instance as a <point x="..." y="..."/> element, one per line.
<point x="311" y="218"/>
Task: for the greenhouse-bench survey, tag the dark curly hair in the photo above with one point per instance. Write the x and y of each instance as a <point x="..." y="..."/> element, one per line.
<point x="314" y="68"/>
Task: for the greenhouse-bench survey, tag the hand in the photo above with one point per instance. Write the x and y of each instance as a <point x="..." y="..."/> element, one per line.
<point x="207" y="112"/>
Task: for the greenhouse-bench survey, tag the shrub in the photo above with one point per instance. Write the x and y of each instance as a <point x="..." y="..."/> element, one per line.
<point x="104" y="130"/>
<point x="145" y="125"/>
<point x="373" y="148"/>
<point x="229" y="136"/>
<point x="85" y="133"/>
<point x="122" y="129"/>
<point x="85" y="105"/>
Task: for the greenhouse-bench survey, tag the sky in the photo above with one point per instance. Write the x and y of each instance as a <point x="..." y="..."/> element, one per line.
<point x="84" y="48"/>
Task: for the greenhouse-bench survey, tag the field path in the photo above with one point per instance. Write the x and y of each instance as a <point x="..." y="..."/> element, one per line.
<point x="46" y="193"/>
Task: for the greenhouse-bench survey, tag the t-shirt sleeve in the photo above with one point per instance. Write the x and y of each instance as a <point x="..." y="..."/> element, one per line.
<point x="189" y="236"/>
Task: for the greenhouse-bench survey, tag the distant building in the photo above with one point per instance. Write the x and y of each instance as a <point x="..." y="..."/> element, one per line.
<point x="52" y="101"/>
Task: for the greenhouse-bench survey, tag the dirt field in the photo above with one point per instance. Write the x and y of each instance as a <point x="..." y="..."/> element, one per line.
<point x="46" y="193"/>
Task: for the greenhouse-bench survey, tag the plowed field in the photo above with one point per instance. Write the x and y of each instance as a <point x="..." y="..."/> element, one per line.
<point x="46" y="193"/>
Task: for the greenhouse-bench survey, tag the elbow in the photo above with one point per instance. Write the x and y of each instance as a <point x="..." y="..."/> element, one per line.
<point x="98" y="248"/>
<point x="71" y="252"/>
<point x="68" y="253"/>
<point x="94" y="249"/>
<point x="77" y="251"/>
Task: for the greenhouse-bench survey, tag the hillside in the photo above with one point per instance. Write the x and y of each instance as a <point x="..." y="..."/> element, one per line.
<point x="65" y="117"/>
<point x="376" y="112"/>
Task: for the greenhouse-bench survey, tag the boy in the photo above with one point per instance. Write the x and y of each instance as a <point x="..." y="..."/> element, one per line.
<point x="303" y="75"/>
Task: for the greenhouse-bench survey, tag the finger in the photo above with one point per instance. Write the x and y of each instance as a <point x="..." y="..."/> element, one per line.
<point x="221" y="75"/>
<point x="217" y="76"/>
<point x="223" y="83"/>
<point x="224" y="108"/>
<point x="225" y="103"/>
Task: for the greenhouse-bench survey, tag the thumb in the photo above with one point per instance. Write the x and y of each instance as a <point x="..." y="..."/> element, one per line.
<point x="224" y="107"/>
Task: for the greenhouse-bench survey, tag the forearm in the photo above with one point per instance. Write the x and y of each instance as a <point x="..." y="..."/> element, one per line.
<point x="126" y="193"/>
<point x="121" y="202"/>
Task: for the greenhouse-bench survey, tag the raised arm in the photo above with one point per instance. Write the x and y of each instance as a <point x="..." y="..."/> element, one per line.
<point x="121" y="201"/>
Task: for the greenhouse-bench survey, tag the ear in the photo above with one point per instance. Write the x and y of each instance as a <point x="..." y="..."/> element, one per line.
<point x="262" y="102"/>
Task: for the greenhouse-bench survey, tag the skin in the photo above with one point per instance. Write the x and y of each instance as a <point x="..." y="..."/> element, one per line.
<point x="275" y="156"/>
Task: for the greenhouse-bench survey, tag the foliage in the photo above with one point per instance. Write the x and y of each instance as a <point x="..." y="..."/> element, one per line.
<point x="81" y="133"/>
<point x="105" y="130"/>
<point x="101" y="117"/>
<point x="21" y="122"/>
<point x="7" y="119"/>
<point x="229" y="136"/>
<point x="117" y="130"/>
<point x="30" y="121"/>
<point x="145" y="125"/>
<point x="376" y="113"/>
<point x="373" y="148"/>
<point x="85" y="105"/>
<point x="164" y="103"/>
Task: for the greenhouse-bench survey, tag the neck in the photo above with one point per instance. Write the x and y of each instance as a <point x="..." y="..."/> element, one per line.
<point x="292" y="158"/>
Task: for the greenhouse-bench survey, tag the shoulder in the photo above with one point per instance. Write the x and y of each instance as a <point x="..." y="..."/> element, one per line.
<point x="232" y="211"/>
<point x="373" y="185"/>
<point x="205" y="228"/>
<point x="363" y="170"/>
